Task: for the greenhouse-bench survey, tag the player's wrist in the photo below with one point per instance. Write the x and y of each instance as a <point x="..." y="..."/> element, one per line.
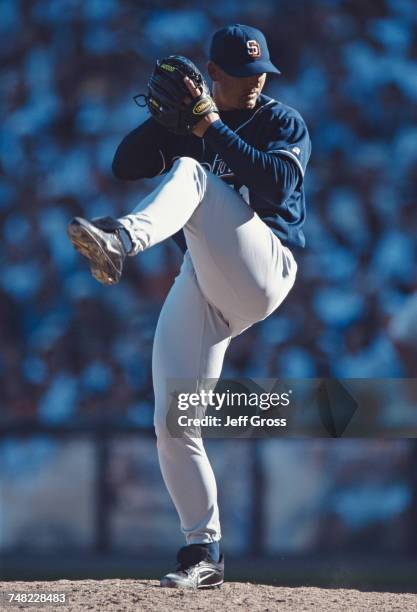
<point x="203" y="125"/>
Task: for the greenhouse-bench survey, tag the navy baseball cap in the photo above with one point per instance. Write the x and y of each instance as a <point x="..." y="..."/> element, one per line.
<point x="241" y="50"/>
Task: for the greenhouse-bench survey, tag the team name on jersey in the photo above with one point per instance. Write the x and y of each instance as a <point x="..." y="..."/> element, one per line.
<point x="218" y="167"/>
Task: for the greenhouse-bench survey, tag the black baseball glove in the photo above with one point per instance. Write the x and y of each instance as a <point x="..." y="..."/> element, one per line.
<point x="169" y="100"/>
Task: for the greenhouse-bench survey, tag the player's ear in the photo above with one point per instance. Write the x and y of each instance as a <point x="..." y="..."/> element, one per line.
<point x="213" y="71"/>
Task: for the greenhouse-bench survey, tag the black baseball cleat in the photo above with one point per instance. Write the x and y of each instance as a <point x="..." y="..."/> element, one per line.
<point x="99" y="240"/>
<point x="195" y="570"/>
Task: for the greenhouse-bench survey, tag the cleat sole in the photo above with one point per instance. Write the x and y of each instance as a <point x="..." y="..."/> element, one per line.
<point x="102" y="268"/>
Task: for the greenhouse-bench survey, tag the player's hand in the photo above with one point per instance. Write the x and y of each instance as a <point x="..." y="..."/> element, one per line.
<point x="200" y="127"/>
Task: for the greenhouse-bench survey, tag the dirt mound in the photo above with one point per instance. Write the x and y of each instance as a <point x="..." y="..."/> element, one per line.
<point x="147" y="596"/>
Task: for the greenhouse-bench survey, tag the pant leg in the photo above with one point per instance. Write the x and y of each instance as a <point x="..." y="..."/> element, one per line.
<point x="190" y="342"/>
<point x="164" y="211"/>
<point x="241" y="266"/>
<point x="237" y="271"/>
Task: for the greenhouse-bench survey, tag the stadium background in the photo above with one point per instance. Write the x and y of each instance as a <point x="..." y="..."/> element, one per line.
<point x="80" y="488"/>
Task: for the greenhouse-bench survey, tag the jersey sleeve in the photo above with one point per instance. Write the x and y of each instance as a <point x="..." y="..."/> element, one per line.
<point x="292" y="141"/>
<point x="143" y="153"/>
<point x="270" y="175"/>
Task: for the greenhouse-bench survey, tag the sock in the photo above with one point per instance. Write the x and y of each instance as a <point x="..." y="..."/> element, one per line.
<point x="126" y="240"/>
<point x="214" y="550"/>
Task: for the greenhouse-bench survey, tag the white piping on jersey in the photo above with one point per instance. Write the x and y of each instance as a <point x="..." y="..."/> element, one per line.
<point x="291" y="156"/>
<point x="254" y="114"/>
<point x="271" y="101"/>
<point x="288" y="153"/>
<point x="163" y="163"/>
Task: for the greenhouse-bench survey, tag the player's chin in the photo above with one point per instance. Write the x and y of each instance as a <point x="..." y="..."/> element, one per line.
<point x="248" y="102"/>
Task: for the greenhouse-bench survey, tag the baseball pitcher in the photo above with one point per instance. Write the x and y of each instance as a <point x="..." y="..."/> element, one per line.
<point x="232" y="196"/>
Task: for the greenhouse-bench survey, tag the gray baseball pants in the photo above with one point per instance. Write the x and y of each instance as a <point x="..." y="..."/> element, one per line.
<point x="235" y="273"/>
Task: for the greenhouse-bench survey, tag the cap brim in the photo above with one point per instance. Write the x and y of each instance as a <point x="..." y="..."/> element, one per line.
<point x="251" y="68"/>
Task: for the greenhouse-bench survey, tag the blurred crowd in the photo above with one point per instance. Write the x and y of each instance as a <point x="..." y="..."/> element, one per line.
<point x="72" y="348"/>
<point x="306" y="496"/>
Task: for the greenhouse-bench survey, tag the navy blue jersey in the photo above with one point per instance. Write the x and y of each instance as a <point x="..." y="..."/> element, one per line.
<point x="261" y="152"/>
